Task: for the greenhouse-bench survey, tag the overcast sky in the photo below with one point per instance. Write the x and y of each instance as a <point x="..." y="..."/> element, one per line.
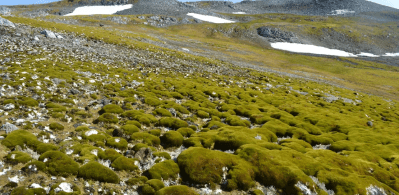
<point x="391" y="3"/>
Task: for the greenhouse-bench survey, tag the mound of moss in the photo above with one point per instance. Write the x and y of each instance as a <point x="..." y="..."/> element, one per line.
<point x="56" y="127"/>
<point x="20" y="138"/>
<point x="111" y="108"/>
<point x="59" y="164"/>
<point x="74" y="187"/>
<point x="162" y="112"/>
<point x="152" y="186"/>
<point x="130" y="129"/>
<point x="173" y="123"/>
<point x="18" y="157"/>
<point x="172" y="139"/>
<point x="164" y="170"/>
<point x="137" y="181"/>
<point x="109" y="154"/>
<point x="205" y="166"/>
<point x="186" y="131"/>
<point x="116" y="142"/>
<point x="175" y="190"/>
<point x="96" y="171"/>
<point x="23" y="190"/>
<point x="124" y="164"/>
<point x="146" y="138"/>
<point x="107" y="118"/>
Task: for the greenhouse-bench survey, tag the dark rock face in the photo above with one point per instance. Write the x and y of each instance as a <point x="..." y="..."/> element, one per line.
<point x="276" y="35"/>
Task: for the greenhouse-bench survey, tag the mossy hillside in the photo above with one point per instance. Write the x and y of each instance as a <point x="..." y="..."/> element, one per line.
<point x="23" y="190"/>
<point x="130" y="129"/>
<point x="282" y="113"/>
<point x="97" y="172"/>
<point x="137" y="180"/>
<point x="119" y="143"/>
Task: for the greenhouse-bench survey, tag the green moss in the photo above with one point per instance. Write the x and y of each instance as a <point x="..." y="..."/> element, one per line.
<point x="107" y="118"/>
<point x="162" y="112"/>
<point x="108" y="154"/>
<point x="8" y="101"/>
<point x="96" y="171"/>
<point x="130" y="129"/>
<point x="18" y="157"/>
<point x="140" y="116"/>
<point x="152" y="186"/>
<point x="173" y="123"/>
<point x="137" y="147"/>
<point x="119" y="143"/>
<point x="205" y="166"/>
<point x="56" y="127"/>
<point x="180" y="189"/>
<point x="137" y="181"/>
<point x="111" y="108"/>
<point x="186" y="131"/>
<point x="342" y="145"/>
<point x="164" y="170"/>
<point x="202" y="114"/>
<point x="162" y="154"/>
<point x="146" y="138"/>
<point x="20" y="138"/>
<point x="124" y="164"/>
<point x="136" y="123"/>
<point x="81" y="128"/>
<point x="39" y="165"/>
<point x="23" y="190"/>
<point x="74" y="187"/>
<point x="256" y="192"/>
<point x="152" y="101"/>
<point x="172" y="139"/>
<point x="155" y="132"/>
<point x="59" y="164"/>
<point x="27" y="101"/>
<point x="44" y="147"/>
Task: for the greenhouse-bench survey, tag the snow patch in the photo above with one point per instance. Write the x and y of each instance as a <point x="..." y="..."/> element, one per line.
<point x="310" y="49"/>
<point x="363" y="54"/>
<point x="391" y="55"/>
<point x="342" y="12"/>
<point x="211" y="19"/>
<point x="93" y="10"/>
<point x="239" y="13"/>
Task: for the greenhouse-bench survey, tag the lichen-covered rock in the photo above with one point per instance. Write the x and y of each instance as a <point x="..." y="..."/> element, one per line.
<point x="8" y="127"/>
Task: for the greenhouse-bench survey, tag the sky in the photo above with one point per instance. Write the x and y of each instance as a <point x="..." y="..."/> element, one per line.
<point x="391" y="3"/>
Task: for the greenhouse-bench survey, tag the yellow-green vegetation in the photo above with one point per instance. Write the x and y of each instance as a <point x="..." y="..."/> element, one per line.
<point x="164" y="170"/>
<point x="24" y="190"/>
<point x="172" y="139"/>
<point x="74" y="187"/>
<point x="59" y="164"/>
<point x="96" y="171"/>
<point x="152" y="186"/>
<point x="176" y="190"/>
<point x="123" y="163"/>
<point x="18" y="157"/>
<point x="240" y="129"/>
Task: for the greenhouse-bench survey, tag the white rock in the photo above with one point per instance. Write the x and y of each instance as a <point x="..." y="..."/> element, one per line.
<point x="91" y="132"/>
<point x="14" y="179"/>
<point x="65" y="187"/>
<point x="35" y="185"/>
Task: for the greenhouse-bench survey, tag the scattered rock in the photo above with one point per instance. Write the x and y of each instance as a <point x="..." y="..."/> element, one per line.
<point x="370" y="123"/>
<point x="49" y="34"/>
<point x="8" y="128"/>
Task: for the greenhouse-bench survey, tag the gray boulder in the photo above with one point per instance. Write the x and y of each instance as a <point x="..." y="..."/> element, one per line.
<point x="7" y="23"/>
<point x="49" y="34"/>
<point x="8" y="128"/>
